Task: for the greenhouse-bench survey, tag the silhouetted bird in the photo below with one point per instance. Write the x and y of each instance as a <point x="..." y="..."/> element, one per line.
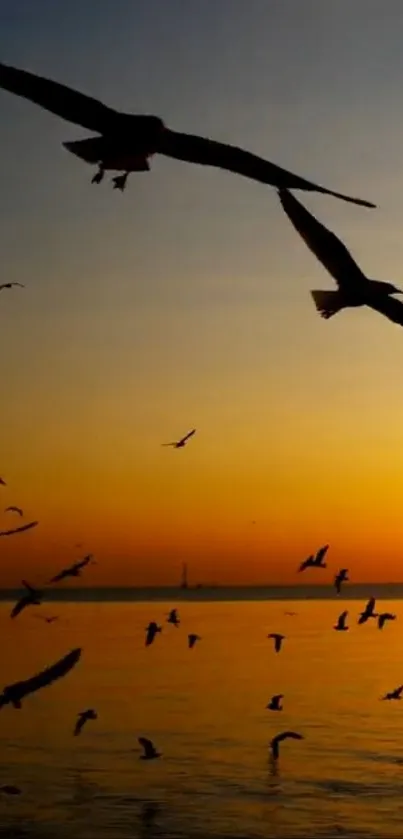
<point x="179" y="444"/>
<point x="394" y="694"/>
<point x="354" y="288"/>
<point x="278" y="639"/>
<point x="341" y="577"/>
<point x="14" y="510"/>
<point x="82" y="718"/>
<point x="33" y="597"/>
<point x="150" y="752"/>
<point x="15" y="693"/>
<point x="21" y="529"/>
<point x="10" y="285"/>
<point x="291" y="614"/>
<point x="10" y="789"/>
<point x="341" y="622"/>
<point x="72" y="570"/>
<point x="127" y="141"/>
<point x="285" y="735"/>
<point x="2" y="482"/>
<point x="368" y="611"/>
<point x="275" y="702"/>
<point x="173" y="617"/>
<point x="151" y="631"/>
<point x="50" y="619"/>
<point x="316" y="561"/>
<point x="385" y="616"/>
<point x="192" y="638"/>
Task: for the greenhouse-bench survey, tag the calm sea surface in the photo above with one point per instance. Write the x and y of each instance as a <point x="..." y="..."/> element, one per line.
<point x="205" y="710"/>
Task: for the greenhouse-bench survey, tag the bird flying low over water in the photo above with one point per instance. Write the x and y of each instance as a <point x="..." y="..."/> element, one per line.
<point x="15" y="693"/>
<point x="179" y="444"/>
<point x="151" y="631"/>
<point x="21" y="529"/>
<point x="385" y="616"/>
<point x="33" y="597"/>
<point x="173" y="617"/>
<point x="150" y="752"/>
<point x="278" y="639"/>
<point x="127" y="141"/>
<point x="73" y="570"/>
<point x="82" y="718"/>
<point x="369" y="611"/>
<point x="394" y="694"/>
<point x="14" y="510"/>
<point x="316" y="561"/>
<point x="341" y="622"/>
<point x="341" y="577"/>
<point x="285" y="735"/>
<point x="10" y="285"/>
<point x="192" y="638"/>
<point x="354" y="288"/>
<point x="275" y="702"/>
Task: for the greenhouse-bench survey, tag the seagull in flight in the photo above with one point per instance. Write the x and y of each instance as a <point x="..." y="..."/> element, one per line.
<point x="285" y="735"/>
<point x="32" y="597"/>
<point x="192" y="638"/>
<point x="383" y="617"/>
<point x="21" y="529"/>
<point x="125" y="142"/>
<point x="82" y="718"/>
<point x="17" y="510"/>
<point x="73" y="570"/>
<point x="394" y="694"/>
<point x="179" y="444"/>
<point x="278" y="639"/>
<point x="151" y="631"/>
<point x="275" y="702"/>
<point x="15" y="693"/>
<point x="369" y="611"/>
<point x="341" y="622"/>
<point x="173" y="617"/>
<point x="341" y="577"/>
<point x="316" y="561"/>
<point x="50" y="619"/>
<point x="150" y="752"/>
<point x="10" y="285"/>
<point x="354" y="288"/>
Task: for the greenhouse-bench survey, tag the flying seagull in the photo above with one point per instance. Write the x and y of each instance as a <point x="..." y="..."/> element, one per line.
<point x="341" y="577"/>
<point x="150" y="752"/>
<point x="10" y="285"/>
<point x="173" y="617"/>
<point x="316" y="561"/>
<point x="341" y="622"/>
<point x="21" y="529"/>
<point x="354" y="288"/>
<point x="127" y="141"/>
<point x="179" y="444"/>
<point x="383" y="617"/>
<point x="72" y="570"/>
<point x="369" y="611"/>
<point x="32" y="597"/>
<point x="275" y="702"/>
<point x="14" y="510"/>
<point x="50" y="619"/>
<point x="151" y="631"/>
<point x="15" y="693"/>
<point x="394" y="694"/>
<point x="192" y="638"/>
<point x="82" y="718"/>
<point x="278" y="639"/>
<point x="285" y="735"/>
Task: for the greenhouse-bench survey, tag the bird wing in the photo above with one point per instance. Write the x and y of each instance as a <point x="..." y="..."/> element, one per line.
<point x="186" y="437"/>
<point x="195" y="149"/>
<point x="388" y="306"/>
<point x="306" y="563"/>
<point x="60" y="576"/>
<point x="57" y="98"/>
<point x="19" y="606"/>
<point x="14" y="510"/>
<point x="19" y="529"/>
<point x="327" y="248"/>
<point x="83" y="562"/>
<point x="370" y="605"/>
<point x="399" y="690"/>
<point x="286" y="735"/>
<point x="381" y="621"/>
<point x="147" y="745"/>
<point x="321" y="553"/>
<point x="42" y="679"/>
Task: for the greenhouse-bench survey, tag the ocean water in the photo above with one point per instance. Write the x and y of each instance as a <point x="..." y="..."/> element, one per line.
<point x="205" y="710"/>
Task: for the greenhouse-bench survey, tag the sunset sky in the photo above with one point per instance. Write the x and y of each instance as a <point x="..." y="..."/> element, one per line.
<point x="185" y="301"/>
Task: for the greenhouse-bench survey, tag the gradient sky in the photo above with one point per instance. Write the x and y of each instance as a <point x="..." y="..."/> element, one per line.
<point x="185" y="301"/>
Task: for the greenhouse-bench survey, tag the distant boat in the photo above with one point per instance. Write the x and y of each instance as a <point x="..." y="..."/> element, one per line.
<point x="184" y="582"/>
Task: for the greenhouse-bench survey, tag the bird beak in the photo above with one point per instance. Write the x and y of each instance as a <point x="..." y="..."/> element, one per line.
<point x="398" y="290"/>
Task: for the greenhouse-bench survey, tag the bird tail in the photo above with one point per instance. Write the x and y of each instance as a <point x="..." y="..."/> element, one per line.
<point x="328" y="303"/>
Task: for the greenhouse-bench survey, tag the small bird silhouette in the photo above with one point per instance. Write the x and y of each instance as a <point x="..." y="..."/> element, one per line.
<point x="341" y="577"/>
<point x="33" y="597"/>
<point x="341" y="622"/>
<point x="179" y="444"/>
<point x="73" y="570"/>
<point x="14" y="510"/>
<point x="278" y="639"/>
<point x="150" y="752"/>
<point x="394" y="694"/>
<point x="15" y="693"/>
<point x="151" y="631"/>
<point x="291" y="614"/>
<point x="192" y="638"/>
<point x="21" y="529"/>
<point x="285" y="735"/>
<point x="369" y="611"/>
<point x="10" y="789"/>
<point x="82" y="718"/>
<point x="383" y="617"/>
<point x="316" y="561"/>
<point x="173" y="617"/>
<point x="10" y="285"/>
<point x="275" y="702"/>
<point x="2" y="482"/>
<point x="50" y="619"/>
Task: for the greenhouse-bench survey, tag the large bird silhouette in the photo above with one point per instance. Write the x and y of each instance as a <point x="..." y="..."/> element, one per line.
<point x="127" y="141"/>
<point x="15" y="693"/>
<point x="354" y="288"/>
<point x="72" y="570"/>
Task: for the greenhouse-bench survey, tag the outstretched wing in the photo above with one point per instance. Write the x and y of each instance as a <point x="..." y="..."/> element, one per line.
<point x="60" y="576"/>
<point x="321" y="553"/>
<point x="60" y="100"/>
<point x="306" y="563"/>
<point x="20" y="689"/>
<point x="83" y="562"/>
<point x="19" y="529"/>
<point x="79" y="724"/>
<point x="201" y="150"/>
<point x="390" y="307"/>
<point x="19" y="606"/>
<point x="288" y="735"/>
<point x="186" y="437"/>
<point x="147" y="745"/>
